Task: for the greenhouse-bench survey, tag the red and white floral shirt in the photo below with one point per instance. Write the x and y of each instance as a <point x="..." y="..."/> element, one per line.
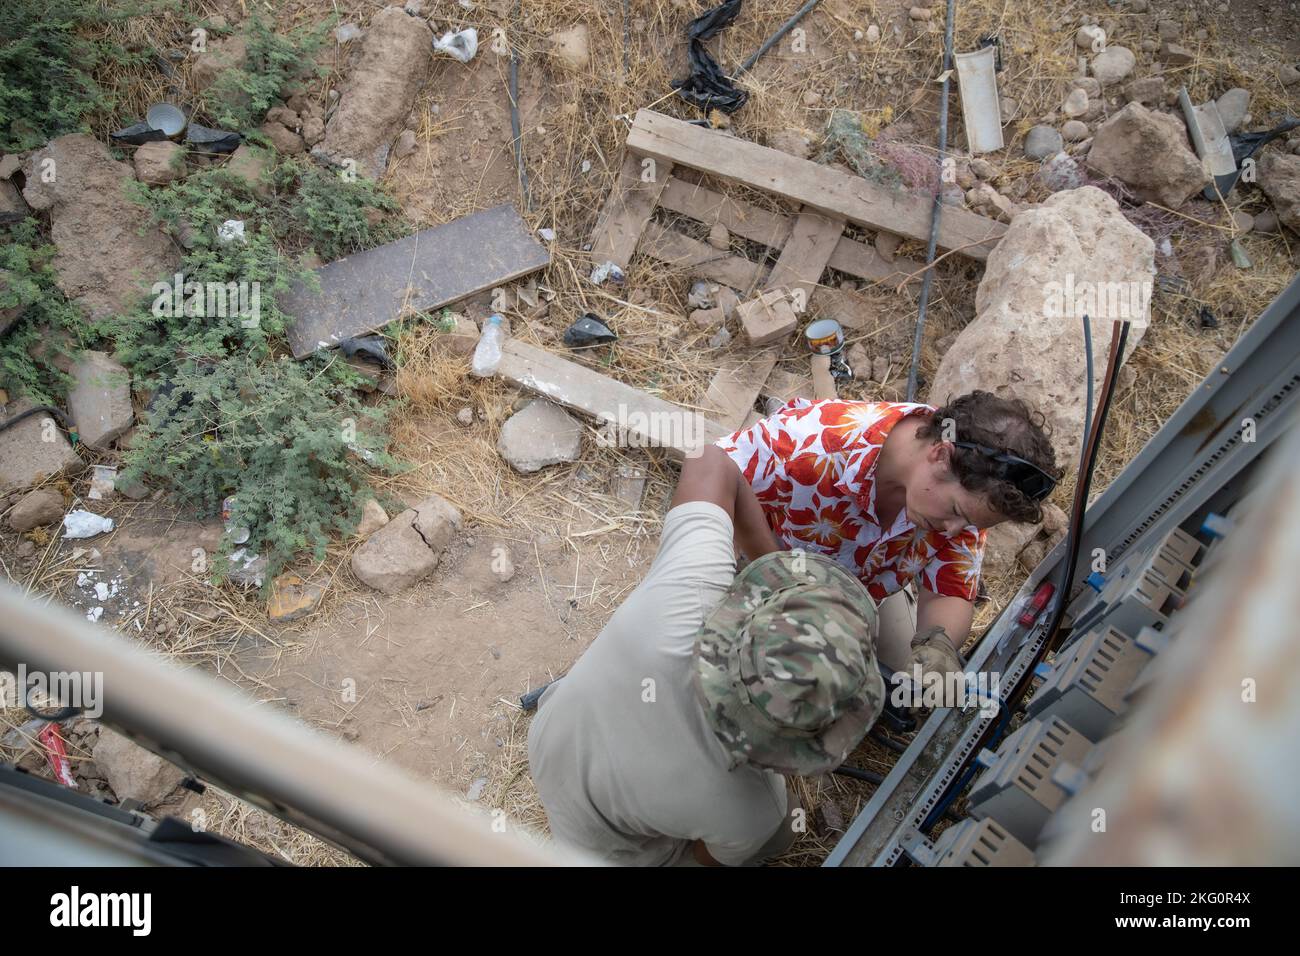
<point x="812" y="466"/>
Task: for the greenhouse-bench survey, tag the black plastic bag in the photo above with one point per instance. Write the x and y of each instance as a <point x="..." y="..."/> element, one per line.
<point x="707" y="86"/>
<point x="587" y="332"/>
<point x="211" y="140"/>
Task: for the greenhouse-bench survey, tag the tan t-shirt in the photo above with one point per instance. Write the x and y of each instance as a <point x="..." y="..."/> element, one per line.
<point x="624" y="760"/>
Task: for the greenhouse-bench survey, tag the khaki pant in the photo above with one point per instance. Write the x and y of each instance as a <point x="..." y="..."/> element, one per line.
<point x="895" y="628"/>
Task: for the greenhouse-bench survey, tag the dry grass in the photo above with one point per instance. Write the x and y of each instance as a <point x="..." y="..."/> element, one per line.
<point x="893" y="86"/>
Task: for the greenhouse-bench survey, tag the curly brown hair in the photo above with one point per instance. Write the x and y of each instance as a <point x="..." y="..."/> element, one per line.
<point x="1007" y="424"/>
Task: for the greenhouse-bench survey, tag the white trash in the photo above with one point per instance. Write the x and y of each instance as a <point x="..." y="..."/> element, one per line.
<point x="461" y="44"/>
<point x="232" y="230"/>
<point x="85" y="524"/>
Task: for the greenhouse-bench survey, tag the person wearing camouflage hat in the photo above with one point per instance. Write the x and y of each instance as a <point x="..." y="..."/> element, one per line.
<point x="667" y="741"/>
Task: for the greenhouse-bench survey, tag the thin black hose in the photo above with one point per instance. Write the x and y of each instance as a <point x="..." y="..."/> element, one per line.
<point x="775" y="38"/>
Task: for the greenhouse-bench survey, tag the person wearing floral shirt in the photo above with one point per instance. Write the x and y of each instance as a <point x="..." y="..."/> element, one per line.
<point x="900" y="493"/>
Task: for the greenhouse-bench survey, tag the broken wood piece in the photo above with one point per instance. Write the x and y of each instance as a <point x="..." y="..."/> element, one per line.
<point x="803" y="260"/>
<point x="831" y="191"/>
<point x="768" y="318"/>
<point x="626" y="416"/>
<point x="700" y="258"/>
<point x="426" y="270"/>
<point x="628" y="208"/>
<point x="736" y="385"/>
<point x="772" y="229"/>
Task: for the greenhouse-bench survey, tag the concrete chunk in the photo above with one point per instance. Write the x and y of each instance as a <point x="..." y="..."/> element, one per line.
<point x="100" y="401"/>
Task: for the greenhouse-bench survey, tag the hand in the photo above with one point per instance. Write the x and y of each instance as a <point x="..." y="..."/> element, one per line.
<point x="933" y="650"/>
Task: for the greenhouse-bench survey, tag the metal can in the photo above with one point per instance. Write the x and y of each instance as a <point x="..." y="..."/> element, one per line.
<point x="824" y="337"/>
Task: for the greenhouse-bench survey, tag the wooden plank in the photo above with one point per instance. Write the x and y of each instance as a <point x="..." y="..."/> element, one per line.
<point x="772" y="229"/>
<point x="784" y="384"/>
<point x="625" y="414"/>
<point x="428" y="269"/>
<point x="828" y="190"/>
<point x="804" y="258"/>
<point x="735" y="386"/>
<point x="683" y="252"/>
<point x="741" y="218"/>
<point x="627" y="209"/>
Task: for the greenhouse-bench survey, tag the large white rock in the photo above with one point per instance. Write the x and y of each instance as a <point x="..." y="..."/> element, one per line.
<point x="100" y="399"/>
<point x="1073" y="253"/>
<point x="408" y="547"/>
<point x="540" y="434"/>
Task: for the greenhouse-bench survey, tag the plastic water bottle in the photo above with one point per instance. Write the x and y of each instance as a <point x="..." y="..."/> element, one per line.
<point x="487" y="354"/>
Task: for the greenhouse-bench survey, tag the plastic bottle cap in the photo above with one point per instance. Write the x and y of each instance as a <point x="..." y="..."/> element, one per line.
<point x="495" y="319"/>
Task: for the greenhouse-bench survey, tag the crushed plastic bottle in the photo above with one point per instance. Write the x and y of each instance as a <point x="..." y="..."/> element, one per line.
<point x="487" y="354"/>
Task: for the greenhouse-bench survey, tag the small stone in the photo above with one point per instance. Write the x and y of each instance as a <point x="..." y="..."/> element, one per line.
<point x="1289" y="74"/>
<point x="1242" y="221"/>
<point x="405" y="144"/>
<point x="1266" y="223"/>
<point x="719" y="237"/>
<point x="1074" y="130"/>
<point x="1008" y="108"/>
<point x="250" y="166"/>
<point x="373" y="517"/>
<point x="159" y="163"/>
<point x="35" y="509"/>
<point x="1168" y="30"/>
<point x="1076" y="103"/>
<point x="1149" y="45"/>
<point x="886" y="244"/>
<point x="539" y="435"/>
<point x="1088" y="84"/>
<point x="1232" y="107"/>
<point x="1043" y="141"/>
<point x="1175" y="55"/>
<point x="571" y="48"/>
<point x="1090" y="38"/>
<point x="708" y="318"/>
<point x="100" y="400"/>
<point x="920" y="13"/>
<point x="313" y="130"/>
<point x="873" y="34"/>
<point x="292" y="598"/>
<point x="1113" y="64"/>
<point x="1148" y="91"/>
<point x="503" y="567"/>
<point x="791" y="141"/>
<point x="983" y="169"/>
<point x="283" y="139"/>
<point x="726" y="300"/>
<point x="465" y="417"/>
<point x="811" y="98"/>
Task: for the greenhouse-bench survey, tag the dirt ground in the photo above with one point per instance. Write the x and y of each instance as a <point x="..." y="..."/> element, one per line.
<point x="429" y="679"/>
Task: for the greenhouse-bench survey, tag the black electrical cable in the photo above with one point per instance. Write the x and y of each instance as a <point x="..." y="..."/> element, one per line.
<point x="865" y="775"/>
<point x="936" y="211"/>
<point x="50" y="410"/>
<point x="775" y="38"/>
<point x="879" y="737"/>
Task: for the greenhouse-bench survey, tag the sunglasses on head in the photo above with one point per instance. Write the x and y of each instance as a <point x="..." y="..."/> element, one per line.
<point x="1032" y="482"/>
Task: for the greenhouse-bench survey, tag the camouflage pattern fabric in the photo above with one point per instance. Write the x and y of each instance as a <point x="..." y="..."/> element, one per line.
<point x="786" y="664"/>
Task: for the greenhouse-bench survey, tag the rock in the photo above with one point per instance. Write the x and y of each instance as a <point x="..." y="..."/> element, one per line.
<point x="391" y="68"/>
<point x="920" y="13"/>
<point x="1002" y="543"/>
<point x="373" y="517"/>
<point x="109" y="253"/>
<point x="1242" y="221"/>
<point x="221" y="55"/>
<point x="313" y="130"/>
<point x="33" y="450"/>
<point x="1175" y="55"/>
<point x="1149" y="153"/>
<point x="886" y="244"/>
<point x="986" y="197"/>
<point x="879" y="368"/>
<point x="462" y="338"/>
<point x="719" y="237"/>
<point x="1149" y="91"/>
<point x="465" y="417"/>
<point x="133" y="772"/>
<point x="159" y="163"/>
<point x="1056" y="521"/>
<point x="12" y="207"/>
<point x="1090" y="38"/>
<point x="708" y="318"/>
<point x="726" y="300"/>
<point x="1043" y="141"/>
<point x="9" y="164"/>
<point x="1150" y="46"/>
<point x="405" y="144"/>
<point x="100" y="400"/>
<point x="1008" y="108"/>
<point x="1279" y="177"/>
<point x="873" y="34"/>
<point x="246" y="570"/>
<point x="408" y="548"/>
<point x="250" y="165"/>
<point x="35" y="509"/>
<point x="983" y="169"/>
<point x="292" y="598"/>
<point x="1289" y="74"/>
<point x="1060" y="172"/>
<point x="791" y="141"/>
<point x="1032" y="555"/>
<point x="1167" y="29"/>
<point x="284" y="116"/>
<point x="1233" y="106"/>
<point x="1088" y="84"/>
<point x="1074" y="131"/>
<point x="1266" y="223"/>
<point x="571" y="48"/>
<point x="540" y="434"/>
<point x="811" y="98"/>
<point x="283" y="139"/>
<point x="1076" y="103"/>
<point x="1050" y="261"/>
<point x="503" y="567"/>
<point x="1113" y="64"/>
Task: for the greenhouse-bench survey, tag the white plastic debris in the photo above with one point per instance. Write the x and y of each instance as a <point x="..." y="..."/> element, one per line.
<point x="232" y="230"/>
<point x="606" y="271"/>
<point x="548" y="235"/>
<point x="84" y="580"/>
<point x="461" y="44"/>
<point x="94" y="614"/>
<point x="85" y="524"/>
<point x="586" y="165"/>
<point x="346" y="32"/>
<point x="101" y="591"/>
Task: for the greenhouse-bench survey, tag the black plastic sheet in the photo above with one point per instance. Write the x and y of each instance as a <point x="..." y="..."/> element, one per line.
<point x="708" y="87"/>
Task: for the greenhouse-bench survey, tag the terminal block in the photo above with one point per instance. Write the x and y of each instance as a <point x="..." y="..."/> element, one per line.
<point x="1016" y="788"/>
<point x="1087" y="689"/>
<point x="980" y="843"/>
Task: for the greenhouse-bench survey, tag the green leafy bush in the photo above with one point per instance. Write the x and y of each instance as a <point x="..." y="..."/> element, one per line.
<point x="242" y="94"/>
<point x="47" y="326"/>
<point x="337" y="213"/>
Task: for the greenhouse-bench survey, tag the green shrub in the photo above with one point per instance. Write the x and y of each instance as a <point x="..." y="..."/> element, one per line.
<point x="241" y="95"/>
<point x="333" y="212"/>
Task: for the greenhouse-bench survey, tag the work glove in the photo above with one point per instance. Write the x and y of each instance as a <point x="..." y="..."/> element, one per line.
<point x="933" y="650"/>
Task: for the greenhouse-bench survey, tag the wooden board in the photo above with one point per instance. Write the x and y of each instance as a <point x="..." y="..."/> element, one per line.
<point x="785" y="385"/>
<point x="828" y="190"/>
<point x="700" y="258"/>
<point x="428" y="269"/>
<point x="735" y="386"/>
<point x="627" y="209"/>
<point x="626" y="414"/>
<point x="772" y="229"/>
<point x="806" y="252"/>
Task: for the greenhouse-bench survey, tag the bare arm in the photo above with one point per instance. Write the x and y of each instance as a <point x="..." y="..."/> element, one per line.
<point x="953" y="614"/>
<point x="712" y="476"/>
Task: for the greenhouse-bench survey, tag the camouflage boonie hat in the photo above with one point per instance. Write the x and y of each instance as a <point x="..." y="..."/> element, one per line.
<point x="786" y="664"/>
